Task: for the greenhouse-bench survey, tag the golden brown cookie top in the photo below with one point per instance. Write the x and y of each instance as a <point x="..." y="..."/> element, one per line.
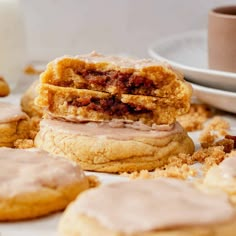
<point x="31" y="170"/>
<point x="10" y="113"/>
<point x="146" y="205"/>
<point x="116" y="75"/>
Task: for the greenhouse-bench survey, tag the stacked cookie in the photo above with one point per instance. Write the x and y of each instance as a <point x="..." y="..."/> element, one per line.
<point x="113" y="114"/>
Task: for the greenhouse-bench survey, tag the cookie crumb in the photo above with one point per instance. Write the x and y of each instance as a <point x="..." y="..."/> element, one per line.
<point x="232" y="137"/>
<point x="210" y="156"/>
<point x="31" y="70"/>
<point x="182" y="172"/>
<point x="23" y="143"/>
<point x="212" y="152"/>
<point x="216" y="128"/>
<point x="196" y="117"/>
<point x="177" y="167"/>
<point x="228" y="144"/>
<point x="93" y="181"/>
<point x="180" y="166"/>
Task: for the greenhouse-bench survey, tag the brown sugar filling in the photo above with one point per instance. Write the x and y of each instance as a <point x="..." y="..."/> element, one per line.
<point x="111" y="106"/>
<point x="128" y="83"/>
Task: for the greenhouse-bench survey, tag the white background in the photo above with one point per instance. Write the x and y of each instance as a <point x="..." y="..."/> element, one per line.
<point x="58" y="27"/>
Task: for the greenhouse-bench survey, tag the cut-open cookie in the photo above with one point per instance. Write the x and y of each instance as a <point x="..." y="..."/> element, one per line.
<point x="143" y="90"/>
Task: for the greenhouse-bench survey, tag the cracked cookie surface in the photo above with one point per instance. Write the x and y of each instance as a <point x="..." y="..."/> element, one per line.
<point x="84" y="87"/>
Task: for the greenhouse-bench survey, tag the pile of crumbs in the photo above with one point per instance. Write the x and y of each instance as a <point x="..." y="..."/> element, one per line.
<point x="196" y="117"/>
<point x="182" y="172"/>
<point x="31" y="70"/>
<point x="212" y="152"/>
<point x="216" y="128"/>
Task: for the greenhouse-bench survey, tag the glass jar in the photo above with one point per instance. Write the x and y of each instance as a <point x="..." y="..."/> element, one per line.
<point x="12" y="41"/>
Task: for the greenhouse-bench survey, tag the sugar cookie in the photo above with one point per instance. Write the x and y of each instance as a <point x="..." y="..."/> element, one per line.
<point x="34" y="183"/>
<point x="163" y="207"/>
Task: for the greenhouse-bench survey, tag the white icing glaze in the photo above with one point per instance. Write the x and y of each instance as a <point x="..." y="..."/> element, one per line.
<point x="146" y="205"/>
<point x="228" y="168"/>
<point x="102" y="129"/>
<point x="118" y="123"/>
<point x="10" y="113"/>
<point x="122" y="62"/>
<point x="29" y="170"/>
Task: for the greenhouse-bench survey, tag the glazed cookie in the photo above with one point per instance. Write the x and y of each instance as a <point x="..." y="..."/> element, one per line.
<point x="95" y="87"/>
<point x="27" y="101"/>
<point x="14" y="124"/>
<point x="223" y="177"/>
<point x="163" y="207"/>
<point x="4" y="88"/>
<point x="34" y="183"/>
<point x="113" y="146"/>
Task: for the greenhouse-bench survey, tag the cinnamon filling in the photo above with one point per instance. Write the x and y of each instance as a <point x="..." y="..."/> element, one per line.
<point x="128" y="83"/>
<point x="110" y="106"/>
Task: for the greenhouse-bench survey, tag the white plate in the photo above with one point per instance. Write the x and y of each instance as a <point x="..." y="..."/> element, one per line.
<point x="188" y="53"/>
<point x="220" y="99"/>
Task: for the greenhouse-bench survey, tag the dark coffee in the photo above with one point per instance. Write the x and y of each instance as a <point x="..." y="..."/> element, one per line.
<point x="230" y="10"/>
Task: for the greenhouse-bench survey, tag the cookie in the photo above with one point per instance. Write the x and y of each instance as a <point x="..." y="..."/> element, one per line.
<point x="34" y="183"/>
<point x="113" y="146"/>
<point x="107" y="107"/>
<point x="27" y="101"/>
<point x="14" y="124"/>
<point x="223" y="177"/>
<point x="4" y="88"/>
<point x="163" y="207"/>
<point x="95" y="87"/>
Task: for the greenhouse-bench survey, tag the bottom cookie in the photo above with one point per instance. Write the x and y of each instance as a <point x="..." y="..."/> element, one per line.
<point x="110" y="147"/>
<point x="163" y="207"/>
<point x="34" y="183"/>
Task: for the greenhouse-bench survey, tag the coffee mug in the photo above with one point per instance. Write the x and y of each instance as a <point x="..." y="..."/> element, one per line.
<point x="222" y="39"/>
